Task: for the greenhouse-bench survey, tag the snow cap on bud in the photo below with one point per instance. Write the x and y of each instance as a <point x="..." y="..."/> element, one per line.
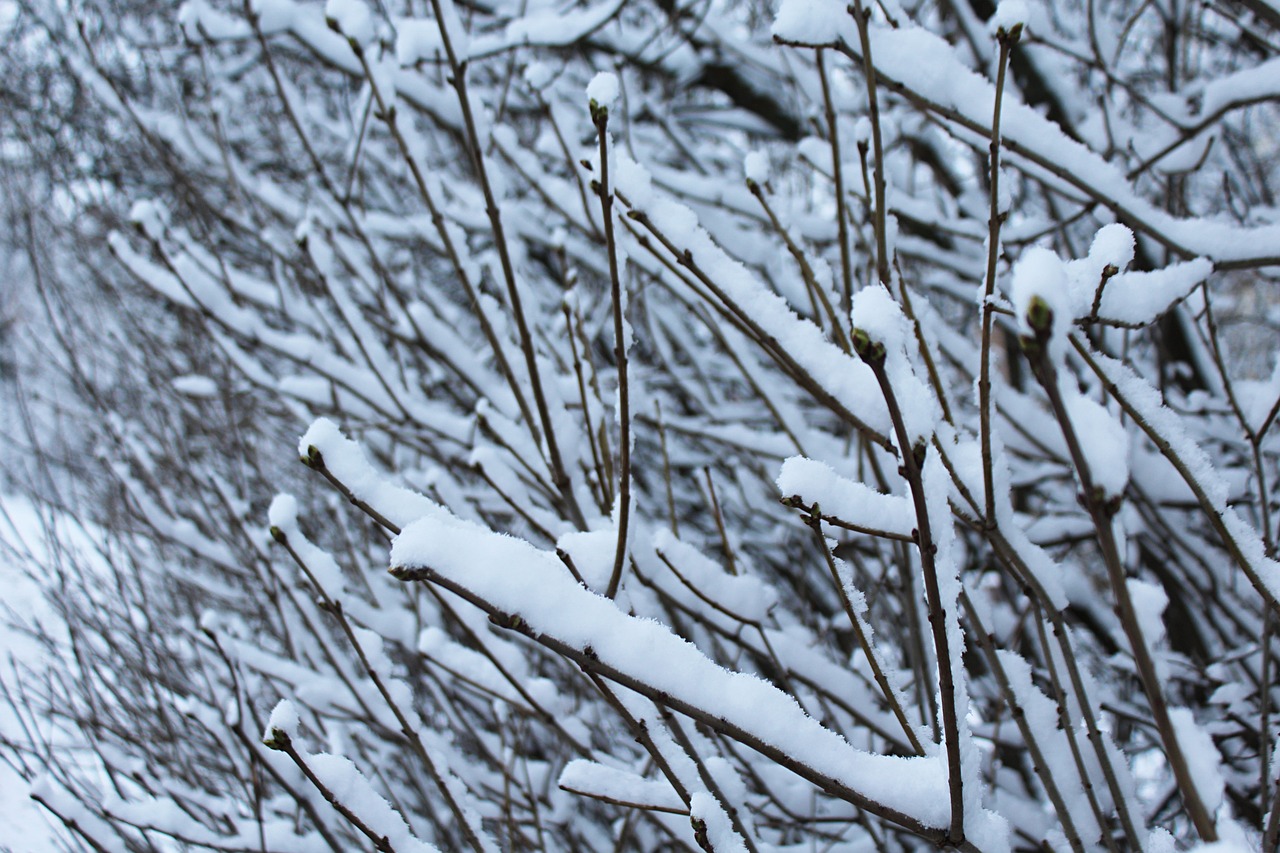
<point x="281" y="726"/>
<point x="862" y="131"/>
<point x="282" y="515"/>
<point x="1010" y="19"/>
<point x="150" y="216"/>
<point x="352" y="19"/>
<point x="878" y="319"/>
<point x="756" y="167"/>
<point x="1042" y="297"/>
<point x="603" y="90"/>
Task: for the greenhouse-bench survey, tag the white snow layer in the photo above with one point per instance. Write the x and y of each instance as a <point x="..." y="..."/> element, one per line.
<point x="604" y="89"/>
<point x="516" y="578"/>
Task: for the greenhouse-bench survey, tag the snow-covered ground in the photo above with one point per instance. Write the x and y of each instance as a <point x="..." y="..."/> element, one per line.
<point x="23" y="824"/>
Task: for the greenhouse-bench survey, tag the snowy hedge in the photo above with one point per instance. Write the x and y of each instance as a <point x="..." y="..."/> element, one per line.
<point x="724" y="426"/>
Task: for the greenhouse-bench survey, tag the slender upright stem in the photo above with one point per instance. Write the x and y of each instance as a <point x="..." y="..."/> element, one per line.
<point x="814" y="521"/>
<point x="1099" y="510"/>
<point x="874" y="356"/>
<point x="1007" y="40"/>
<point x="600" y="117"/>
<point x="861" y="16"/>
<point x="837" y="174"/>
<point x="986" y="642"/>
<point x="458" y="76"/>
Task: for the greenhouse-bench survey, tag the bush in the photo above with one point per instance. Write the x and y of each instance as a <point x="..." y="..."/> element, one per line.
<point x="783" y="427"/>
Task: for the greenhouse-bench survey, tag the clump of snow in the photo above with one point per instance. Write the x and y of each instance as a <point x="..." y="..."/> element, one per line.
<point x="1149" y="603"/>
<point x="592" y="552"/>
<point x="352" y="18"/>
<point x="1104" y="442"/>
<point x="711" y="820"/>
<point x="816" y="482"/>
<point x="604" y="89"/>
<point x="283" y="512"/>
<point x="1141" y="297"/>
<point x="756" y="167"/>
<point x="350" y="787"/>
<point x="1041" y="295"/>
<point x="878" y="314"/>
<point x="201" y="21"/>
<point x="283" y="719"/>
<point x="1113" y="244"/>
<point x="811" y="21"/>
<point x="150" y="216"/>
<point x="194" y="385"/>
<point x="346" y="460"/>
<point x="417" y="40"/>
<point x="1009" y="14"/>
<point x="538" y="75"/>
<point x="741" y="594"/>
<point x="274" y="16"/>
<point x="1203" y="759"/>
<point x="862" y="131"/>
<point x="632" y="181"/>
<point x="590" y="777"/>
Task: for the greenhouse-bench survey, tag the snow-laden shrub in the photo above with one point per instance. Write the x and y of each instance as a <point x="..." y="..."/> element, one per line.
<point x="724" y="426"/>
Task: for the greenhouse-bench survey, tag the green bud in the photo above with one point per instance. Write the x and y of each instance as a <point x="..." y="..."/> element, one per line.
<point x="312" y="459"/>
<point x="277" y="739"/>
<point x="872" y="352"/>
<point x="1039" y="315"/>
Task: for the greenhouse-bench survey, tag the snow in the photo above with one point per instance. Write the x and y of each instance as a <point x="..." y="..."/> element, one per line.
<point x="196" y="386"/>
<point x="1203" y="760"/>
<point x="1041" y="716"/>
<point x="274" y="16"/>
<point x="518" y="579"/>
<point x="581" y="775"/>
<point x="1104" y="443"/>
<point x="592" y="553"/>
<point x="1039" y="283"/>
<point x="1009" y="13"/>
<point x="632" y="181"/>
<point x="1196" y="469"/>
<point x="346" y="460"/>
<point x="719" y="830"/>
<point x="878" y="314"/>
<point x="352" y="18"/>
<point x="350" y="788"/>
<point x="1113" y="244"/>
<point x="1260" y="82"/>
<point x="1141" y="297"/>
<point x="417" y="40"/>
<point x="151" y="217"/>
<point x="1149" y="603"/>
<point x="811" y="21"/>
<point x="22" y="603"/>
<point x="604" y="89"/>
<point x="743" y="595"/>
<point x="856" y="503"/>
<point x="755" y="648"/>
<point x="538" y="75"/>
<point x="756" y="167"/>
<point x="283" y="719"/>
